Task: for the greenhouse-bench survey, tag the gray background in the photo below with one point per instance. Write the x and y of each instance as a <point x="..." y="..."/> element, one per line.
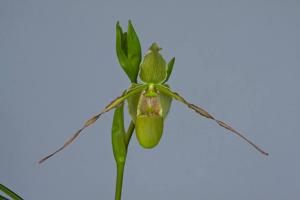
<point x="238" y="59"/>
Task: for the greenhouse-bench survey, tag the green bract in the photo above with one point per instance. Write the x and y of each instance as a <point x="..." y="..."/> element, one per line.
<point x="118" y="135"/>
<point x="149" y="100"/>
<point x="128" y="50"/>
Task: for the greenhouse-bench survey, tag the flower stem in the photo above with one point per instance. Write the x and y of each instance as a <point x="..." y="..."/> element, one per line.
<point x="120" y="170"/>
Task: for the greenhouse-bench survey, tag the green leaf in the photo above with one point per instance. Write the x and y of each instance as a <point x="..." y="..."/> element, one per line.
<point x="170" y="69"/>
<point x="3" y="198"/>
<point x="118" y="135"/>
<point x="9" y="192"/>
<point x="204" y="113"/>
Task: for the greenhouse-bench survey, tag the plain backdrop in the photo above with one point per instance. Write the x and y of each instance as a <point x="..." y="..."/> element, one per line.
<point x="238" y="59"/>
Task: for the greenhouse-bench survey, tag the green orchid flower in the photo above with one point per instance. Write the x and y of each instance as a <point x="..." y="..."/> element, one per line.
<point x="148" y="100"/>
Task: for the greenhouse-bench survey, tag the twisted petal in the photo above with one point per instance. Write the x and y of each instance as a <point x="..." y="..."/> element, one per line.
<point x="133" y="90"/>
<point x="204" y="113"/>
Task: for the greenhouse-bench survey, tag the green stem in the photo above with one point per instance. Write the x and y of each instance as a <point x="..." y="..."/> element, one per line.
<point x="120" y="170"/>
<point x="120" y="166"/>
